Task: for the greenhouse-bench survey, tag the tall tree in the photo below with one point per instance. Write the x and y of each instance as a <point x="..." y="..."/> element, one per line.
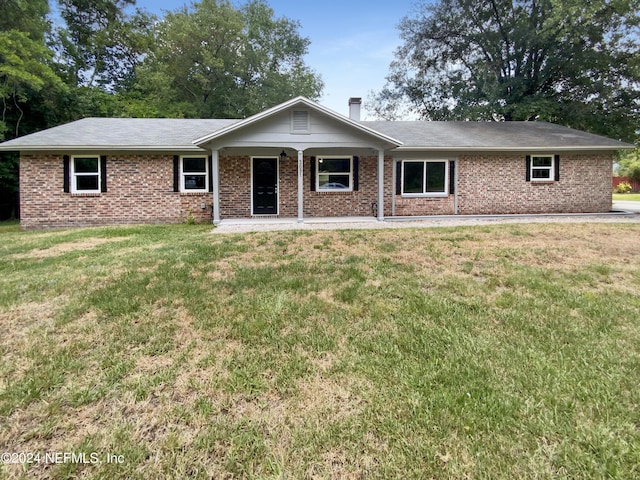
<point x="25" y="61"/>
<point x="25" y="70"/>
<point x="213" y="60"/>
<point x="100" y="41"/>
<point x="567" y="61"/>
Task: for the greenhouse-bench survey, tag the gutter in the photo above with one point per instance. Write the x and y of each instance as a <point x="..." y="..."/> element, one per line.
<point x="603" y="148"/>
<point x="101" y="148"/>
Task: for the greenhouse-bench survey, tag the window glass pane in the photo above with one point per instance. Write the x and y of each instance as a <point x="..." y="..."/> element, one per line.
<point x="86" y="182"/>
<point x="333" y="182"/>
<point x="334" y="165"/>
<point x="542" y="161"/>
<point x="413" y="177"/>
<point x="435" y="176"/>
<point x="542" y="173"/>
<point x="194" y="182"/>
<point x="85" y="165"/>
<point x="194" y="165"/>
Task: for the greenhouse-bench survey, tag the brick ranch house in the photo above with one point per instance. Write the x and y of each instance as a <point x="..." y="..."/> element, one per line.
<point x="300" y="160"/>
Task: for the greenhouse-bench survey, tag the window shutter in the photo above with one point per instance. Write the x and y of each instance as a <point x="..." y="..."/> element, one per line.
<point x="528" y="165"/>
<point x="452" y="177"/>
<point x="313" y="174"/>
<point x="556" y="166"/>
<point x="176" y="173"/>
<point x="356" y="179"/>
<point x="103" y="173"/>
<point x="210" y="173"/>
<point x="398" y="178"/>
<point x="66" y="169"/>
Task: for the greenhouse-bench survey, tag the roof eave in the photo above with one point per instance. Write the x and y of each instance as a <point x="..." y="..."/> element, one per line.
<point x="596" y="148"/>
<point x="101" y="148"/>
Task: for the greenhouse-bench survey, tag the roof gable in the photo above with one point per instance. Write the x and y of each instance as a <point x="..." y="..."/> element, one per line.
<point x="298" y="104"/>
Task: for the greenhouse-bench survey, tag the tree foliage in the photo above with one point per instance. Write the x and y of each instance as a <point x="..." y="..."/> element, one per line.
<point x="100" y="43"/>
<point x="213" y="60"/>
<point x="566" y="61"/>
<point x="104" y="58"/>
<point x="25" y="61"/>
<point x="629" y="164"/>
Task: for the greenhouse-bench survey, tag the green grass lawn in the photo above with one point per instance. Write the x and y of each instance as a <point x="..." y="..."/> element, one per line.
<point x="480" y="352"/>
<point x="626" y="197"/>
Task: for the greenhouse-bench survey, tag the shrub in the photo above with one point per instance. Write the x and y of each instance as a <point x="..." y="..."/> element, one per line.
<point x="623" y="187"/>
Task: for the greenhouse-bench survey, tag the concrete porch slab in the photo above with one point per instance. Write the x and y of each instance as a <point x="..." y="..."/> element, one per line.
<point x="242" y="225"/>
<point x="292" y="220"/>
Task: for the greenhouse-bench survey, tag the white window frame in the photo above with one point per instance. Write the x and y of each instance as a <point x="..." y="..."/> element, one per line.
<point x="445" y="193"/>
<point x="183" y="174"/>
<point x="75" y="175"/>
<point x="550" y="169"/>
<point x="333" y="157"/>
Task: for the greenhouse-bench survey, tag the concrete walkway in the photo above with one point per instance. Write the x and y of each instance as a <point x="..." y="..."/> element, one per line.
<point x="628" y="206"/>
<point x="243" y="225"/>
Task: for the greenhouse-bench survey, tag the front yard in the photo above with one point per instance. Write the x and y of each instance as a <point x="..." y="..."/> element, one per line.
<point x="166" y="352"/>
<point x="626" y="197"/>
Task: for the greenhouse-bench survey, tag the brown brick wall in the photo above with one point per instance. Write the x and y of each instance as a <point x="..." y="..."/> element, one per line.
<point x="235" y="190"/>
<point x="497" y="184"/>
<point x="336" y="204"/>
<point x="235" y="187"/>
<point x="139" y="190"/>
<point x="424" y="206"/>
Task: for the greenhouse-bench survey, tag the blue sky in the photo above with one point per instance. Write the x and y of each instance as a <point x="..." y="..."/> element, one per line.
<point x="352" y="41"/>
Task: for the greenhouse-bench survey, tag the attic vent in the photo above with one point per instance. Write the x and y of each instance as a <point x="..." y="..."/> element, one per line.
<point x="299" y="121"/>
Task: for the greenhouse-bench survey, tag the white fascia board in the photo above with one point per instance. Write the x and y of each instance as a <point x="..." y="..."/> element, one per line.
<point x="102" y="148"/>
<point x="547" y="148"/>
<point x="291" y="103"/>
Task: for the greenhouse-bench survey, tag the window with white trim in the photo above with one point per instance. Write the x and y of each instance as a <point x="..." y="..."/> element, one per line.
<point x="335" y="174"/>
<point x="542" y="168"/>
<point x="425" y="178"/>
<point x="85" y="174"/>
<point x="194" y="174"/>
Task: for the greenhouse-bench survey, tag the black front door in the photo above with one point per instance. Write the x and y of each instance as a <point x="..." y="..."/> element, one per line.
<point x="265" y="186"/>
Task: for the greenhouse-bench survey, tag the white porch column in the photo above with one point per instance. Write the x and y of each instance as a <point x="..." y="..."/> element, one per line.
<point x="215" y="179"/>
<point x="380" y="185"/>
<point x="300" y="186"/>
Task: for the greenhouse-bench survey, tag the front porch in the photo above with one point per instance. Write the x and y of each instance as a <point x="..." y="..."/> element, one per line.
<point x="298" y="160"/>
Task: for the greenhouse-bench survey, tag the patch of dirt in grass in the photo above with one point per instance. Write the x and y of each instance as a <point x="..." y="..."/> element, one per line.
<point x="19" y="323"/>
<point x="63" y="248"/>
<point x="325" y="399"/>
<point x="493" y="252"/>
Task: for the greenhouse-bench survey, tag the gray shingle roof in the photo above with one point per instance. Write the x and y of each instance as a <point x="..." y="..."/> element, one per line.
<point x="136" y="133"/>
<point x="491" y="135"/>
<point x="178" y="134"/>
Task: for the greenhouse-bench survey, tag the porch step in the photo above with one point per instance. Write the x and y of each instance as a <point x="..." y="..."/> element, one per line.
<point x="293" y="220"/>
